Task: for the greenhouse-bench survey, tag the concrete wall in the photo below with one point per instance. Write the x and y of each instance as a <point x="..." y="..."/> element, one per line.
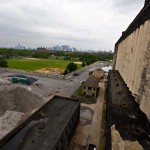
<point x="132" y="60"/>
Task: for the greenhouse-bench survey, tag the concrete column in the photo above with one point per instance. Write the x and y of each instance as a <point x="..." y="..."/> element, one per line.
<point x="143" y="48"/>
<point x="127" y="59"/>
<point x="121" y="62"/>
<point x="118" y="58"/>
<point x="130" y="58"/>
<point x="144" y="92"/>
<point x="124" y="58"/>
<point x="115" y="57"/>
<point x="119" y="53"/>
<point x="137" y="58"/>
<point x="134" y="58"/>
<point x="116" y="66"/>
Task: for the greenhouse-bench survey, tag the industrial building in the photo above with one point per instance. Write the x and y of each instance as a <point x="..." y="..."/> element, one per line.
<point x="51" y="127"/>
<point x="128" y="89"/>
<point x="132" y="58"/>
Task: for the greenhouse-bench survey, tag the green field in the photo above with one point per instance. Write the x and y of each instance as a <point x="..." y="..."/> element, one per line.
<point x="35" y="64"/>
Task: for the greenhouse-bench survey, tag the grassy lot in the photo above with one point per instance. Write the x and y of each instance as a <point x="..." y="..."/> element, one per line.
<point x="35" y="64"/>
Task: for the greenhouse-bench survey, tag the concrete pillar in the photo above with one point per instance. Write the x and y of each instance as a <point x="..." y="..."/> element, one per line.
<point x="131" y="58"/>
<point x="118" y="58"/>
<point x="133" y="61"/>
<point x="137" y="59"/>
<point x="143" y="48"/>
<point x="116" y="66"/>
<point x="121" y="56"/>
<point x="127" y="59"/>
<point x="124" y="58"/>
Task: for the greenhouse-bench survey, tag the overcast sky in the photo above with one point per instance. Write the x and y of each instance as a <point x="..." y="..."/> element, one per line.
<point x="86" y="24"/>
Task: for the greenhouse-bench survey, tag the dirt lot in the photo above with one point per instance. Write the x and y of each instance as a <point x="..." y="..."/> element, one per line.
<point x="78" y="62"/>
<point x="51" y="70"/>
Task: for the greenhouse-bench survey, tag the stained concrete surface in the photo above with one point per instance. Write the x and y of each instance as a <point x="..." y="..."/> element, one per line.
<point x="95" y="130"/>
<point x="89" y="130"/>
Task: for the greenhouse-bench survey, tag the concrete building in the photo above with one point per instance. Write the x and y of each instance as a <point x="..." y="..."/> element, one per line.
<point x="132" y="58"/>
<point x="90" y="86"/>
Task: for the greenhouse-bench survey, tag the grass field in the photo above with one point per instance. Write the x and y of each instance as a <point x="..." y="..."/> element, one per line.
<point x="35" y="64"/>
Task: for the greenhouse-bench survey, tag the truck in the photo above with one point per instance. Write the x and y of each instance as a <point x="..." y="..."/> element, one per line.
<point x="21" y="80"/>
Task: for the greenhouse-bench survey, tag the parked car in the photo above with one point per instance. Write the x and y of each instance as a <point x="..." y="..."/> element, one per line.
<point x="76" y="74"/>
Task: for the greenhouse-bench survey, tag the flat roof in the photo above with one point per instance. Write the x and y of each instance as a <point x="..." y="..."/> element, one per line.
<point x="38" y="135"/>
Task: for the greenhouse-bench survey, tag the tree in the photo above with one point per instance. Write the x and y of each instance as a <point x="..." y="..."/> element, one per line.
<point x="83" y="64"/>
<point x="88" y="62"/>
<point x="65" y="72"/>
<point x="3" y="63"/>
<point x="71" y="67"/>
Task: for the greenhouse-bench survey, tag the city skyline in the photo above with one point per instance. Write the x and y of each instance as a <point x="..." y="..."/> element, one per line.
<point x="82" y="24"/>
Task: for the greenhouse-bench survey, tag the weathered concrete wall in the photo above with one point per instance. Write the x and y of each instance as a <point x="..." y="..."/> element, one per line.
<point x="91" y="92"/>
<point x="132" y="60"/>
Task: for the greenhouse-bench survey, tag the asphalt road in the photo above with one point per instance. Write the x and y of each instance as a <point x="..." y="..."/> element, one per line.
<point x="73" y="83"/>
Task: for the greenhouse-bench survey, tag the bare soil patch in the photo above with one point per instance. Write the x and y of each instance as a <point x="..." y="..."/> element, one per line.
<point x="78" y="62"/>
<point x="51" y="70"/>
<point x="31" y="58"/>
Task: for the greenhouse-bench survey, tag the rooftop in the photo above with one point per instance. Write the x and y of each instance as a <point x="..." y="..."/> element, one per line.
<point x="91" y="82"/>
<point x="45" y="127"/>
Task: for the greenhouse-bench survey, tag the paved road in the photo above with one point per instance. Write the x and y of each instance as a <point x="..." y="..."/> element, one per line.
<point x="73" y="83"/>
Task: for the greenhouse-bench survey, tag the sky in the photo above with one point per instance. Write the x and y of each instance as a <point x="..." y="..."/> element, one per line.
<point x="84" y="24"/>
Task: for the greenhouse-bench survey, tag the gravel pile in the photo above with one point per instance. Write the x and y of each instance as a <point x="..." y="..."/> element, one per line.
<point x="16" y="103"/>
<point x="18" y="99"/>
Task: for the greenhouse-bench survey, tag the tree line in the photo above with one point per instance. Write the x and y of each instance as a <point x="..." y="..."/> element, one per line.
<point x="86" y="58"/>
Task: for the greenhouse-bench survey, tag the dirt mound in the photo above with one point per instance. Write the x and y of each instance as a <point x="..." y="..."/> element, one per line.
<point x="18" y="99"/>
<point x="51" y="70"/>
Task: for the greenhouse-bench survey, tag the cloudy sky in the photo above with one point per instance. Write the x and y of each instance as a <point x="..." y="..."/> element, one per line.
<point x="86" y="24"/>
